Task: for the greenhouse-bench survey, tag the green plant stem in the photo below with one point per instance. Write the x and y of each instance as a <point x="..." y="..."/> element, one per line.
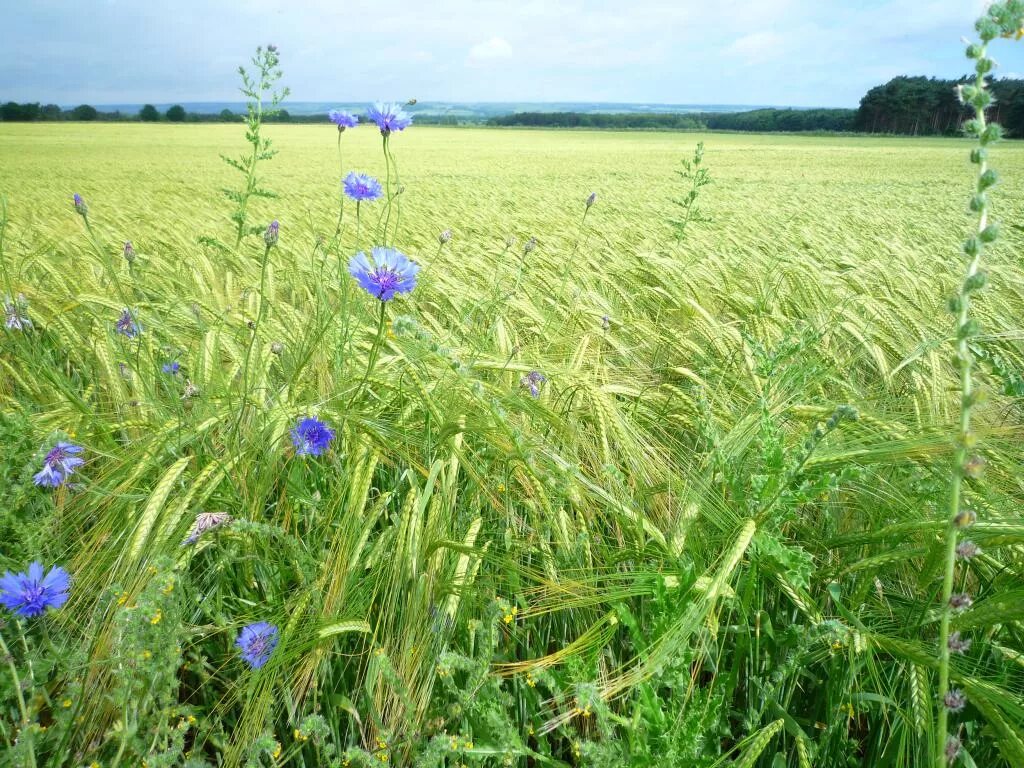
<point x="255" y="335"/>
<point x="966" y="361"/>
<point x="25" y="721"/>
<point x="378" y="342"/>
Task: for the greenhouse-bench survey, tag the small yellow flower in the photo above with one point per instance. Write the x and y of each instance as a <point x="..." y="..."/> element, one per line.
<point x="530" y="681"/>
<point x="300" y="736"/>
<point x="468" y="745"/>
<point x="169" y="587"/>
<point x="152" y="570"/>
<point x="455" y="742"/>
<point x="501" y="487"/>
<point x="529" y="731"/>
<point x="156" y="617"/>
<point x="191" y="720"/>
<point x="378" y="651"/>
<point x="66" y="703"/>
<point x="277" y="750"/>
<point x="123" y="598"/>
<point x="147" y="655"/>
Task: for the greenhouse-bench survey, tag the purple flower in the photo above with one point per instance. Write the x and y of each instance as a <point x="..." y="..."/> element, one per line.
<point x="271" y="235"/>
<point x="129" y="251"/>
<point x="966" y="549"/>
<point x="958" y="644"/>
<point x="16" y="317"/>
<point x="954" y="700"/>
<point x="126" y="324"/>
<point x="80" y="206"/>
<point x="390" y="272"/>
<point x="311" y="437"/>
<point x="342" y="119"/>
<point x="256" y="642"/>
<point x="532" y="381"/>
<point x="31" y="594"/>
<point x="591" y="199"/>
<point x="361" y="187"/>
<point x="206" y="521"/>
<point x="388" y="117"/>
<point x="952" y="748"/>
<point x="171" y="368"/>
<point x="59" y="464"/>
<point x="960" y="602"/>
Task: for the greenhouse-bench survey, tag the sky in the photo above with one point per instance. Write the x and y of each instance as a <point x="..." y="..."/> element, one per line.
<point x="764" y="52"/>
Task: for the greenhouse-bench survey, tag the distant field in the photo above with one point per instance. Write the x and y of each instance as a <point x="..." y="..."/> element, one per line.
<point x="674" y="546"/>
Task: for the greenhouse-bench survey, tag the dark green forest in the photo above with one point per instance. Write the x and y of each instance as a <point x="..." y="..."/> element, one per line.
<point x="912" y="106"/>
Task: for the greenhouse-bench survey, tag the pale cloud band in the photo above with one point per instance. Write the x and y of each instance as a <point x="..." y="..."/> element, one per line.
<point x="786" y="52"/>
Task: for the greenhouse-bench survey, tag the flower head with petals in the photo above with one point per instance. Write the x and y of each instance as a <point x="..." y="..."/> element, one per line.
<point x="389" y="273"/>
<point x="389" y="117"/>
<point x="311" y="437"/>
<point x="126" y="325"/>
<point x="342" y="119"/>
<point x="256" y="642"/>
<point x="361" y="187"/>
<point x="33" y="593"/>
<point x="59" y="464"/>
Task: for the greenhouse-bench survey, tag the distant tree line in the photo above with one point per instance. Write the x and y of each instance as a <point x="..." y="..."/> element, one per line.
<point x="12" y="112"/>
<point x="928" y="106"/>
<point x="916" y="106"/>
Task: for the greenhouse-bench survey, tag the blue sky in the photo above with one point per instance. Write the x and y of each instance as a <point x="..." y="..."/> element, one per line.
<point x="786" y="52"/>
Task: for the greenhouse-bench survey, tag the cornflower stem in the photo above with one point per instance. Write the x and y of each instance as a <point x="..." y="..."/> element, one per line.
<point x="106" y="261"/>
<point x="25" y="722"/>
<point x="378" y="342"/>
<point x="387" y="190"/>
<point x="341" y="205"/>
<point x="261" y="305"/>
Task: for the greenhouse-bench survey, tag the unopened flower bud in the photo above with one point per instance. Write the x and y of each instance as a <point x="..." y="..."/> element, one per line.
<point x="444" y="237"/>
<point x="271" y="235"/>
<point x="129" y="251"/>
<point x="530" y="245"/>
<point x="80" y="207"/>
<point x="277" y="347"/>
<point x="965" y="518"/>
<point x="591" y="199"/>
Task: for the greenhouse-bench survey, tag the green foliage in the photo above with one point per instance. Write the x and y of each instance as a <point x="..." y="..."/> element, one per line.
<point x="694" y="176"/>
<point x="175" y="114"/>
<point x="150" y="114"/>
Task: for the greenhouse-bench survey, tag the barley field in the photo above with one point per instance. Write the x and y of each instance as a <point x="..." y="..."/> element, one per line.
<point x="600" y="492"/>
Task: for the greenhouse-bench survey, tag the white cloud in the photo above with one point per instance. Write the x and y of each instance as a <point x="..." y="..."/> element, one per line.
<point x="489" y="50"/>
<point x="757" y="47"/>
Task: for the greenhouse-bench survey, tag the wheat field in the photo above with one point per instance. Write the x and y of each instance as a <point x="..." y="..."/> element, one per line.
<point x="714" y="535"/>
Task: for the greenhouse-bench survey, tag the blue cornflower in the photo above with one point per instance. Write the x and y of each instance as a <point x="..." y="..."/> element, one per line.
<point x="126" y="324"/>
<point x="311" y="437"/>
<point x="342" y="119"/>
<point x="389" y="117"/>
<point x="532" y="381"/>
<point x="15" y="313"/>
<point x="59" y="465"/>
<point x="361" y="187"/>
<point x="390" y="272"/>
<point x="80" y="206"/>
<point x="172" y="367"/>
<point x="256" y="642"/>
<point x="31" y="594"/>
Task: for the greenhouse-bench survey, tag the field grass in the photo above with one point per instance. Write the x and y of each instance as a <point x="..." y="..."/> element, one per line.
<point x="685" y="550"/>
